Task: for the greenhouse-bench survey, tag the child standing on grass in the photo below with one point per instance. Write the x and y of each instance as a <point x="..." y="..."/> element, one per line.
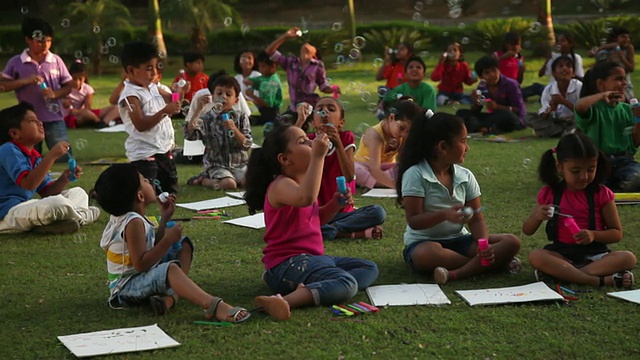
<point x="375" y="159"/>
<point x="556" y="116"/>
<point x="349" y="222"/>
<point x="40" y="78"/>
<point x="424" y="94"/>
<point x="284" y="178"/>
<point x="573" y="173"/>
<point x="77" y="106"/>
<point x="433" y="189"/>
<point x="452" y="72"/>
<point x="602" y="114"/>
<point x="226" y="142"/>
<point x="146" y="263"/>
<point x="269" y="97"/>
<point x="23" y="172"/>
<point x="145" y="111"/>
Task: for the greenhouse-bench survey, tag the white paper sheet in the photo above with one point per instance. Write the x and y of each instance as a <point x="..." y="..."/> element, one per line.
<point x="218" y="203"/>
<point x="629" y="295"/>
<point x="381" y="193"/>
<point x="118" y="341"/>
<point x="538" y="291"/>
<point x="193" y="148"/>
<point x="255" y="221"/>
<point x="236" y="194"/>
<point x="407" y="294"/>
<point x="112" y="129"/>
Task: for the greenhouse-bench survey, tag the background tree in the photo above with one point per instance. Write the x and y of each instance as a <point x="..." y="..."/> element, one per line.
<point x="155" y="27"/>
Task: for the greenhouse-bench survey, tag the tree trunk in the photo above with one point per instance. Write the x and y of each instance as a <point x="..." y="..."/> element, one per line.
<point x="352" y="18"/>
<point x="198" y="39"/>
<point x="551" y="36"/>
<point x="155" y="27"/>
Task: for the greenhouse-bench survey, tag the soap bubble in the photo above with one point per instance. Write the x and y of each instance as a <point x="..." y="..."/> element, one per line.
<point x="96" y="29"/>
<point x="81" y="144"/>
<point x="228" y="21"/>
<point x="461" y="26"/>
<point x="53" y="107"/>
<point x="486" y="171"/>
<point x="465" y="40"/>
<point x="378" y="62"/>
<point x="104" y="50"/>
<point x="77" y="54"/>
<point x="79" y="238"/>
<point x="336" y="26"/>
<point x="418" y="6"/>
<point x="65" y="23"/>
<point x="114" y="59"/>
<point x="354" y="54"/>
<point x="361" y="129"/>
<point x="161" y="66"/>
<point x="24" y="10"/>
<point x="425" y="23"/>
<point x="340" y="60"/>
<point x="526" y="162"/>
<point x="424" y="54"/>
<point x="417" y="16"/>
<point x="535" y="27"/>
<point x="445" y="33"/>
<point x="359" y="42"/>
<point x="372" y="106"/>
<point x="37" y="35"/>
<point x="244" y="28"/>
<point x="111" y="42"/>
<point x="338" y="47"/>
<point x="162" y="54"/>
<point x="455" y="12"/>
<point x="365" y="96"/>
<point x="345" y="104"/>
<point x="486" y="44"/>
<point x="506" y="10"/>
<point x="85" y="59"/>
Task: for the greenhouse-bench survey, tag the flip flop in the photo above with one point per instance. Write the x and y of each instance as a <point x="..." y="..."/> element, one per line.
<point x="375" y="233"/>
<point x="195" y="180"/>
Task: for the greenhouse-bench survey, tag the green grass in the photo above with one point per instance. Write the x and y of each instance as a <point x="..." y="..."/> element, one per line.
<point x="56" y="285"/>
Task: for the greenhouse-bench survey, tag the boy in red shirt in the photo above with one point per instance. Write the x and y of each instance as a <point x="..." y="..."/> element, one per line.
<point x="192" y="74"/>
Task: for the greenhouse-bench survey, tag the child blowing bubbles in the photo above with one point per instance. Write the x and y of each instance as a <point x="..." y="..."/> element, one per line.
<point x="284" y="179"/>
<point x="433" y="188"/>
<point x="573" y="189"/>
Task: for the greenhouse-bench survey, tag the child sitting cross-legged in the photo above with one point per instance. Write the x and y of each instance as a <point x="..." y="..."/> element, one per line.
<point x="151" y="264"/>
<point x="23" y="172"/>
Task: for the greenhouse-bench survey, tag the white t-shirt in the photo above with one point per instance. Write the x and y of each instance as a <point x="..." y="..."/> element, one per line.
<point x="77" y="97"/>
<point x="578" y="70"/>
<point x="243" y="86"/>
<point x="159" y="139"/>
<point x="240" y="107"/>
<point x="573" y="94"/>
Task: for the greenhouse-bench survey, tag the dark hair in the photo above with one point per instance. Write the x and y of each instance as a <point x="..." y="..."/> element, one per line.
<point x="116" y="188"/>
<point x="510" y="38"/>
<point x="562" y="59"/>
<point x="617" y="31"/>
<point x="11" y="118"/>
<point x="409" y="47"/>
<point x="572" y="146"/>
<point x="457" y="45"/>
<point x="77" y="67"/>
<point x="417" y="59"/>
<point x="338" y="102"/>
<point x="36" y="27"/>
<point x="191" y="57"/>
<point x="214" y="76"/>
<point x="236" y="62"/>
<point x="572" y="41"/>
<point x="600" y="71"/>
<point x="136" y="53"/>
<point x="264" y="166"/>
<point x="403" y="109"/>
<point x="423" y="138"/>
<point x="264" y="58"/>
<point x="485" y="63"/>
<point x="226" y="81"/>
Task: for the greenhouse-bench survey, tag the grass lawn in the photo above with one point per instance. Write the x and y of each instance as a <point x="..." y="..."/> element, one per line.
<point x="56" y="285"/>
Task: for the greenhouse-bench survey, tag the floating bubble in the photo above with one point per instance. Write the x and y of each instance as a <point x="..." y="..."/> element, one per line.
<point x="114" y="59"/>
<point x="365" y="96"/>
<point x="24" y="10"/>
<point x="96" y="29"/>
<point x="526" y="162"/>
<point x="418" y="6"/>
<point x="338" y="47"/>
<point x="465" y="40"/>
<point x="162" y="54"/>
<point x="486" y="171"/>
<point x="244" y="28"/>
<point x="79" y="238"/>
<point x="77" y="54"/>
<point x="85" y="59"/>
<point x="104" y="50"/>
<point x="345" y="104"/>
<point x="506" y="10"/>
<point x="53" y="107"/>
<point x="161" y="66"/>
<point x="246" y="143"/>
<point x="535" y="27"/>
<point x="455" y="12"/>
<point x="37" y="34"/>
<point x="336" y="26"/>
<point x="378" y="62"/>
<point x="486" y="44"/>
<point x="603" y="41"/>
<point x="361" y="129"/>
<point x="340" y="60"/>
<point x="424" y="54"/>
<point x="372" y="106"/>
<point x="417" y="16"/>
<point x="359" y="42"/>
<point x="462" y="26"/>
<point x="352" y="85"/>
<point x="354" y="54"/>
<point x="329" y="80"/>
<point x="425" y="23"/>
<point x="65" y="23"/>
<point x="600" y="10"/>
<point x="228" y="21"/>
<point x="445" y="33"/>
<point x="111" y="42"/>
<point x="81" y="144"/>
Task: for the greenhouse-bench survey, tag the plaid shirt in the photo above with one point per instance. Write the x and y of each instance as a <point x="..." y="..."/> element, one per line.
<point x="221" y="150"/>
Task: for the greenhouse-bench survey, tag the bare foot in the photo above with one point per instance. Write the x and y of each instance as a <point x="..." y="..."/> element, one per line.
<point x="275" y="306"/>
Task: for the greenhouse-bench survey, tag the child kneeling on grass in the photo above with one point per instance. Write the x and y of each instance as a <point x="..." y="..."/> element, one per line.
<point x="434" y="190"/>
<point x="147" y="263"/>
<point x="573" y="173"/>
<point x="23" y="172"/>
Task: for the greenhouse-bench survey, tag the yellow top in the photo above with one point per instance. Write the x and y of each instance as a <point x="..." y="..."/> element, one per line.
<point x="362" y="155"/>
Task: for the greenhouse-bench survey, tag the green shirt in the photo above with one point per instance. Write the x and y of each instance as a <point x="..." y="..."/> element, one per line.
<point x="269" y="89"/>
<point x="610" y="127"/>
<point x="424" y="95"/>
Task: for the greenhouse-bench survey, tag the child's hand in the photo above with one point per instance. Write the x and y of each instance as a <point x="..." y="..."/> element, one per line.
<point x="228" y="124"/>
<point x="556" y="99"/>
<point x="34" y="79"/>
<point x="612" y="97"/>
<point x="59" y="150"/>
<point x="172" y="108"/>
<point x="48" y="94"/>
<point x="292" y="33"/>
<point x="331" y="131"/>
<point x="454" y="215"/>
<point x="343" y="199"/>
<point x="487" y="254"/>
<point x="173" y="234"/>
<point x="543" y="212"/>
<point x="302" y="109"/>
<point x="491" y="105"/>
<point x="320" y="145"/>
<point x="168" y="207"/>
<point x="204" y="100"/>
<point x="66" y="103"/>
<point x="510" y="53"/>
<point x="584" y="237"/>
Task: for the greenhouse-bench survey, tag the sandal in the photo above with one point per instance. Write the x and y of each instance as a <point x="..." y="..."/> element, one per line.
<point x="233" y="315"/>
<point x="275" y="306"/>
<point x="159" y="305"/>
<point x="195" y="180"/>
<point x="619" y="278"/>
<point x="374" y="233"/>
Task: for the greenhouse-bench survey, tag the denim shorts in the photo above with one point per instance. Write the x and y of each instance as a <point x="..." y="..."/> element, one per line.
<point x="141" y="286"/>
<point x="460" y="244"/>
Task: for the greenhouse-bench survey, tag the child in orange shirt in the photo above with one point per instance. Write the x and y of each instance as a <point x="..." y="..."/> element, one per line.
<point x="192" y="74"/>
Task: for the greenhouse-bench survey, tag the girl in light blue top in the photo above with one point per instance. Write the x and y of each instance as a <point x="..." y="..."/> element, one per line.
<point x="439" y="197"/>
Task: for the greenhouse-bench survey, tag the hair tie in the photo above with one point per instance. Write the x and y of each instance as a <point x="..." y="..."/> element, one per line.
<point x="428" y="114"/>
<point x="554" y="150"/>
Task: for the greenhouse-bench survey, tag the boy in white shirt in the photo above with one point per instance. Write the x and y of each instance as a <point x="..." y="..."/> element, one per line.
<point x="145" y="110"/>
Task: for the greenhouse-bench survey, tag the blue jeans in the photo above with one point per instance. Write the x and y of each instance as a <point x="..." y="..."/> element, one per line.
<point x="331" y="279"/>
<point x="356" y="220"/>
<point x="54" y="132"/>
<point x="625" y="174"/>
<point x="444" y="96"/>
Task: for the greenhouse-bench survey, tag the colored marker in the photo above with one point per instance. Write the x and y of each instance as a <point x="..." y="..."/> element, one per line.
<point x="567" y="290"/>
<point x="215" y="323"/>
<point x="347" y="310"/>
<point x="368" y="306"/>
<point x="344" y="311"/>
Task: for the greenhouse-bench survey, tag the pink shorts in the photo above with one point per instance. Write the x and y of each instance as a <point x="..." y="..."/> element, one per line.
<point x="364" y="177"/>
<point x="72" y="121"/>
